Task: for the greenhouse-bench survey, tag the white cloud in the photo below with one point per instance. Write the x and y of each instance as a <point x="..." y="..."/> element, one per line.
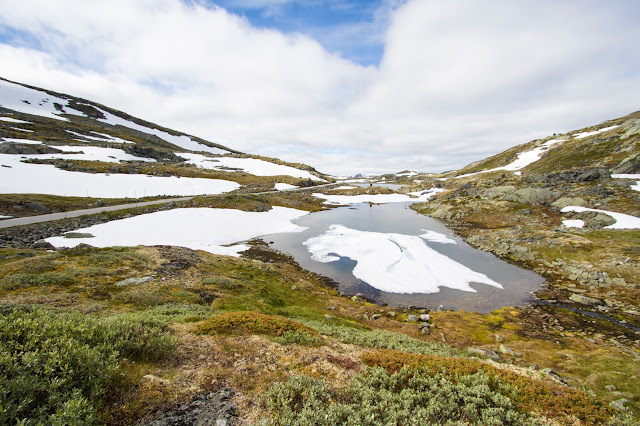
<point x="458" y="80"/>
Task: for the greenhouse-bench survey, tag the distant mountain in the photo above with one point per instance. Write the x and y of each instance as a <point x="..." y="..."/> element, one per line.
<point x="613" y="144"/>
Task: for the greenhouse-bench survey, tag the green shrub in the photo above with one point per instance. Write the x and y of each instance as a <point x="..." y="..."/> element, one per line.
<point x="113" y="256"/>
<point x="249" y="322"/>
<point x="56" y="367"/>
<point x="22" y="280"/>
<point x="172" y="312"/>
<point x="224" y="283"/>
<point x="376" y="397"/>
<point x="299" y="338"/>
<point x="380" y="339"/>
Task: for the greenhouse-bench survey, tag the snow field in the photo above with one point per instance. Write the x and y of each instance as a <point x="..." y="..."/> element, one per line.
<point x="216" y="231"/>
<point x="284" y="186"/>
<point x="377" y="198"/>
<point x="17" y="177"/>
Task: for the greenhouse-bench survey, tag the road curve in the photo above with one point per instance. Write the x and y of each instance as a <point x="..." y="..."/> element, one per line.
<point x="8" y="223"/>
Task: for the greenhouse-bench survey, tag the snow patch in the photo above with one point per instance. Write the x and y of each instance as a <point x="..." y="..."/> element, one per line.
<point x="623" y="221"/>
<point x="248" y="165"/>
<point x="25" y="178"/>
<point x="573" y="223"/>
<point x="22" y="130"/>
<point x="91" y="153"/>
<point x="595" y="132"/>
<point x="14" y="120"/>
<point x="394" y="263"/>
<point x="635" y="187"/>
<point x="24" y="141"/>
<point x="378" y="198"/>
<point x="284" y="186"/>
<point x="436" y="237"/>
<point x="31" y="101"/>
<point x="344" y="187"/>
<point x="207" y="229"/>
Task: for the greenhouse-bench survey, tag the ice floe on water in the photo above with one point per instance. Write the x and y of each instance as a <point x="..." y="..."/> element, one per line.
<point x="284" y="186"/>
<point x="623" y="221"/>
<point x="395" y="263"/>
<point x="377" y="198"/>
<point x="253" y="166"/>
<point x="436" y="237"/>
<point x="17" y="177"/>
<point x="214" y="230"/>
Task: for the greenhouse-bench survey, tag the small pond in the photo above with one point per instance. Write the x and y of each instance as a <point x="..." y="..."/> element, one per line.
<point x="405" y="226"/>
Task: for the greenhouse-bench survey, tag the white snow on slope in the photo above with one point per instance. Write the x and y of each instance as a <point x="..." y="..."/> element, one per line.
<point x="623" y="221"/>
<point x="344" y="187"/>
<point x="436" y="237"/>
<point x="22" y="130"/>
<point x="394" y="263"/>
<point x="5" y="217"/>
<point x="14" y="120"/>
<point x="523" y="160"/>
<point x="100" y="138"/>
<point x="284" y="186"/>
<point x="377" y="198"/>
<point x="182" y="141"/>
<point x="207" y="229"/>
<point x="31" y="101"/>
<point x="90" y="153"/>
<point x="595" y="132"/>
<point x="635" y="187"/>
<point x="23" y="178"/>
<point x="249" y="165"/>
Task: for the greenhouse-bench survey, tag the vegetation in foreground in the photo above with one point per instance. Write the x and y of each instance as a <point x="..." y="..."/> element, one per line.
<point x="107" y="346"/>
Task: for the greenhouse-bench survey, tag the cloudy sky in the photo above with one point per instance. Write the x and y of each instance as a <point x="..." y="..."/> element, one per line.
<point x="348" y="86"/>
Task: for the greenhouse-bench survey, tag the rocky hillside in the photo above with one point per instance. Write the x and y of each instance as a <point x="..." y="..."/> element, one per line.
<point x="612" y="144"/>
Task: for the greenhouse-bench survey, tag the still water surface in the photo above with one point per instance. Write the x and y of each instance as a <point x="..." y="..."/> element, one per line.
<point x="400" y="219"/>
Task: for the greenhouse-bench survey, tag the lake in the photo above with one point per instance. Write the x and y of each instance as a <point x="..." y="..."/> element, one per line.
<point x="361" y="231"/>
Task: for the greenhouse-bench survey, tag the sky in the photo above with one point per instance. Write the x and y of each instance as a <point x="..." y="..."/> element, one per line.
<point x="348" y="86"/>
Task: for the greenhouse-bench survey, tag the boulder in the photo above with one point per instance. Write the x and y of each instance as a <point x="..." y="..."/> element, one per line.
<point x="24" y="148"/>
<point x="563" y="202"/>
<point x="530" y="195"/>
<point x="499" y="191"/>
<point x="584" y="300"/>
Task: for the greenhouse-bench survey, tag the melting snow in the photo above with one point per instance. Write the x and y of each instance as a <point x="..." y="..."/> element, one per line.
<point x="436" y="237"/>
<point x="24" y="178"/>
<point x="14" y="120"/>
<point x="22" y="130"/>
<point x="573" y="223"/>
<point x="394" y="263"/>
<point x="284" y="186"/>
<point x="207" y="229"/>
<point x="595" y="132"/>
<point x="344" y="187"/>
<point x="100" y="138"/>
<point x="249" y="165"/>
<point x="623" y="221"/>
<point x="31" y="101"/>
<point x="91" y="153"/>
<point x="377" y="198"/>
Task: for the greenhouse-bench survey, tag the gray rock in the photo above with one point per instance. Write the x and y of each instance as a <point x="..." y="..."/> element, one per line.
<point x="294" y="287"/>
<point x="531" y="196"/>
<point x="37" y="207"/>
<point x="485" y="353"/>
<point x="42" y="244"/>
<point x="425" y="317"/>
<point x="619" y="404"/>
<point x="554" y="375"/>
<point x="330" y="317"/>
<point x="508" y="351"/>
<point x="215" y="409"/>
<point x="563" y="202"/>
<point x="78" y="235"/>
<point x="584" y="300"/>
<point x="331" y="308"/>
<point x="499" y="191"/>
<point x="412" y="318"/>
<point x="134" y="281"/>
<point x="596" y="220"/>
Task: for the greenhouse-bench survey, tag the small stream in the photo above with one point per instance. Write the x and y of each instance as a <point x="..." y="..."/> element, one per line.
<point x="398" y="218"/>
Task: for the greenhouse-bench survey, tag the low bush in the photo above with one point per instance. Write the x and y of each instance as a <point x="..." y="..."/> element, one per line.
<point x="380" y="339"/>
<point x="249" y="322"/>
<point x="299" y="338"/>
<point x="224" y="283"/>
<point x="172" y="312"/>
<point x="24" y="280"/>
<point x="529" y="395"/>
<point x="377" y="397"/>
<point x="56" y="367"/>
